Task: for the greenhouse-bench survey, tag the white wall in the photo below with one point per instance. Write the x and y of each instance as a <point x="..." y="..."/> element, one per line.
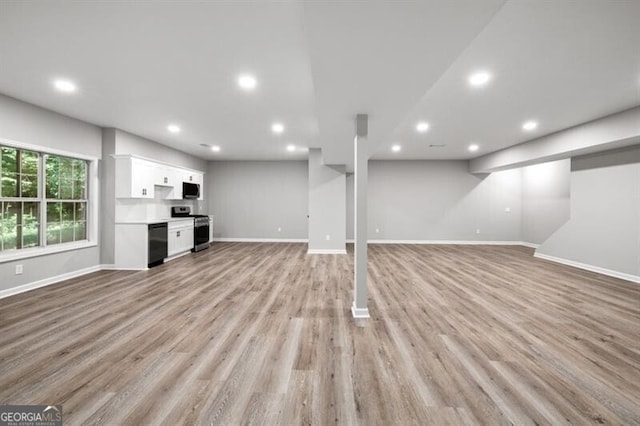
<point x="546" y="194"/>
<point x="440" y="200"/>
<point x="604" y="228"/>
<point x="327" y="205"/>
<point x="252" y="199"/>
<point x="26" y="123"/>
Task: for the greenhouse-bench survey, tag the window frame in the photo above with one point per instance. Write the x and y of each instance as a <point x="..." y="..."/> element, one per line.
<point x="91" y="198"/>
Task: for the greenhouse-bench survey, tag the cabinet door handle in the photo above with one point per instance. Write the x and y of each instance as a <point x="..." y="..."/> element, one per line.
<point x="178" y="233"/>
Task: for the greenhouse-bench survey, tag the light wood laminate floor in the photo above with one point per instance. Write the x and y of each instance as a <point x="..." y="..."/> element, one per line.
<point x="262" y="334"/>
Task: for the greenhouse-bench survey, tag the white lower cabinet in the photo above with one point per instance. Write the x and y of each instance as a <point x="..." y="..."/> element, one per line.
<point x="180" y="236"/>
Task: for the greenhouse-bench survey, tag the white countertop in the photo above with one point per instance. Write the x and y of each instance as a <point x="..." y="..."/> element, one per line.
<point x="148" y="221"/>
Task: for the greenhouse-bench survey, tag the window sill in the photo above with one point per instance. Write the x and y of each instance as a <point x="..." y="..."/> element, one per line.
<point x="43" y="251"/>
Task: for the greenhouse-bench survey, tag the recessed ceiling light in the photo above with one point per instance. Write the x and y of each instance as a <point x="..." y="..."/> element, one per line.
<point x="65" y="86"/>
<point x="247" y="82"/>
<point x="215" y="148"/>
<point x="530" y="125"/>
<point x="422" y="126"/>
<point x="479" y="78"/>
<point x="277" y="128"/>
<point x="173" y="128"/>
<point x="396" y="148"/>
<point x="473" y="147"/>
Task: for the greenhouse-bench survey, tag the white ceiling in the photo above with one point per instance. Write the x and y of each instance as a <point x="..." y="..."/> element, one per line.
<point x="140" y="66"/>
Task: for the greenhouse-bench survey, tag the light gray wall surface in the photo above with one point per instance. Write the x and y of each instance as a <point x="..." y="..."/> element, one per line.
<point x="252" y="199"/>
<point x="604" y="228"/>
<point x="546" y="193"/>
<point x="26" y="123"/>
<point x="441" y="200"/>
<point x="108" y="194"/>
<point x="327" y="204"/>
<point x="127" y="143"/>
<point x="350" y="206"/>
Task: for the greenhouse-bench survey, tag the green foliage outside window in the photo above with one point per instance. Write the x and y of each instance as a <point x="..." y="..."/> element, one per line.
<point x="64" y="199"/>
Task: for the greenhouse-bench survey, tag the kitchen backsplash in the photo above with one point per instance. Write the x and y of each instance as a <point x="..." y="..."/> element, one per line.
<point x="131" y="210"/>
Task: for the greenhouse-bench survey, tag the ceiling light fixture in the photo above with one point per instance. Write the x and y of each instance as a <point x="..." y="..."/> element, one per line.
<point x="277" y="128"/>
<point x="65" y="86"/>
<point x="473" y="147"/>
<point x="479" y="79"/>
<point x="396" y="148"/>
<point x="215" y="148"/>
<point x="173" y="128"/>
<point x="247" y="82"/>
<point x="291" y="148"/>
<point x="422" y="126"/>
<point x="530" y="125"/>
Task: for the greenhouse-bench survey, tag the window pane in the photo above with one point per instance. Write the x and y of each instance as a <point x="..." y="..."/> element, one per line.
<point x="53" y="222"/>
<point x="80" y="211"/>
<point x="9" y="160"/>
<point x="31" y="224"/>
<point x="66" y="232"/>
<point x="9" y="241"/>
<point x="9" y="184"/>
<point x="29" y="162"/>
<point x="80" y="231"/>
<point x="53" y="233"/>
<point x="66" y="168"/>
<point x="29" y="186"/>
<point x="67" y="212"/>
<point x="52" y="183"/>
<point x="9" y="225"/>
<point x="66" y="189"/>
<point x="53" y="212"/>
<point x="9" y="172"/>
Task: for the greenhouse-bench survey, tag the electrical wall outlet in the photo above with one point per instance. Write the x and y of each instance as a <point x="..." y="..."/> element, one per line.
<point x="507" y="209"/>
<point x="478" y="231"/>
<point x="328" y="237"/>
<point x="279" y="229"/>
<point x="377" y="230"/>
<point x="18" y="269"/>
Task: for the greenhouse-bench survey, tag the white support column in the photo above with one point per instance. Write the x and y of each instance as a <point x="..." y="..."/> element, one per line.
<point x="359" y="308"/>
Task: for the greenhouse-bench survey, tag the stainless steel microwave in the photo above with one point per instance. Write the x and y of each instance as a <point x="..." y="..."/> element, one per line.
<point x="190" y="190"/>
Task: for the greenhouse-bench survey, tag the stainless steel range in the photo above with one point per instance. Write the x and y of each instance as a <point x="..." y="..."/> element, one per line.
<point x="200" y="226"/>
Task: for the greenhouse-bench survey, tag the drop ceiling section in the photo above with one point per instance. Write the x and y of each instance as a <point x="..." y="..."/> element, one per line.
<point x="559" y="63"/>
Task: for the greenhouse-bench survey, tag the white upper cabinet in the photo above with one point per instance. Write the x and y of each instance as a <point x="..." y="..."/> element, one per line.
<point x="134" y="178"/>
<point x="165" y="175"/>
<point x="141" y="178"/>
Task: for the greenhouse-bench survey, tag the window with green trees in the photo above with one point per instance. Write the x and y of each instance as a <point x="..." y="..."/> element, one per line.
<point x="31" y="215"/>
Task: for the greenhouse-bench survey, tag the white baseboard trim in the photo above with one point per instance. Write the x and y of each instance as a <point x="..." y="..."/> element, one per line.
<point x="359" y="313"/>
<point x="592" y="268"/>
<point x="48" y="281"/>
<point x="327" y="251"/>
<point x="261" y="240"/>
<point x="117" y="268"/>
<point x="531" y="245"/>
<point x="455" y="242"/>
